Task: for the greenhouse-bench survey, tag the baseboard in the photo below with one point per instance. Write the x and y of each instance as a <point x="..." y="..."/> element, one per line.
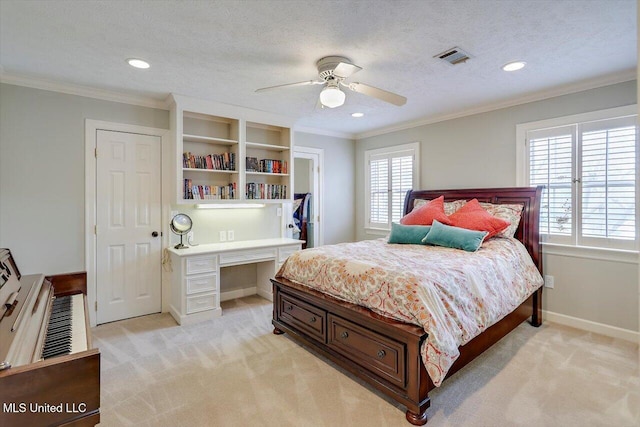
<point x="268" y="295"/>
<point x="238" y="293"/>
<point x="588" y="325"/>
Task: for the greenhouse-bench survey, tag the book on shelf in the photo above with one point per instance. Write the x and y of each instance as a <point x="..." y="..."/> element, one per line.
<point x="257" y="190"/>
<point x="252" y="164"/>
<point x="224" y="161"/>
<point x="267" y="165"/>
<point x="209" y="192"/>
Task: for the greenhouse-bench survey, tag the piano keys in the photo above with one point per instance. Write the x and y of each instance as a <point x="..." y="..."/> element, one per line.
<point x="66" y="333"/>
<point x="46" y="357"/>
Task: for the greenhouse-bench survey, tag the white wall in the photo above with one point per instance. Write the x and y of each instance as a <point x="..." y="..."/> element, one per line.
<point x="339" y="185"/>
<point x="42" y="176"/>
<point x="42" y="172"/>
<point x="247" y="224"/>
<point x="302" y="168"/>
<point x="42" y="185"/>
<point x="480" y="151"/>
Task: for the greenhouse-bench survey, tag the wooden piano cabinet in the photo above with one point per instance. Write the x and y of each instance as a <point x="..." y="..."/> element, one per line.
<point x="69" y="283"/>
<point x="70" y="384"/>
<point x="60" y="391"/>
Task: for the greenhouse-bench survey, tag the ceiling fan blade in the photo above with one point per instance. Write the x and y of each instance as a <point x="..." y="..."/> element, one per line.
<point x="305" y="83"/>
<point x="345" y="69"/>
<point x="382" y="95"/>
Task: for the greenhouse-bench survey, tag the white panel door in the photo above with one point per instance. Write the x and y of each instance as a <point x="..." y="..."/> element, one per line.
<point x="128" y="243"/>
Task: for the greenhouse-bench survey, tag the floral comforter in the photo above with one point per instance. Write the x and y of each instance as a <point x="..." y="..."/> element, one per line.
<point x="454" y="295"/>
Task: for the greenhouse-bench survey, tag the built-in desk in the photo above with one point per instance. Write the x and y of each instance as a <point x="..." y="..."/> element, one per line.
<point x="195" y="280"/>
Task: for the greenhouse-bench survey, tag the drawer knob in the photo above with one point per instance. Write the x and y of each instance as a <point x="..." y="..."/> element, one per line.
<point x="381" y="354"/>
<point x="289" y="308"/>
<point x="313" y="319"/>
<point x="344" y="335"/>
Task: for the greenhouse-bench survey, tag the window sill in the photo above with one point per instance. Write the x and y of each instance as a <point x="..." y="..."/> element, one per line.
<point x="377" y="231"/>
<point x="587" y="252"/>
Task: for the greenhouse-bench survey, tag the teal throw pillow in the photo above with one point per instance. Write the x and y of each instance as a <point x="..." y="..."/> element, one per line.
<point x="454" y="237"/>
<point x="408" y="234"/>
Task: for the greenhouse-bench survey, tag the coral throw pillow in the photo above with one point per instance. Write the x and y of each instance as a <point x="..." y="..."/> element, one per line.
<point x="472" y="216"/>
<point x="426" y="213"/>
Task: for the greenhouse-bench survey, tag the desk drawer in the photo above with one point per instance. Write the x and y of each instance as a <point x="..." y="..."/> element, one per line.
<point x="201" y="283"/>
<point x="283" y="253"/>
<point x="201" y="264"/>
<point x="302" y="316"/>
<point x="374" y="352"/>
<point x="247" y="256"/>
<point x="198" y="303"/>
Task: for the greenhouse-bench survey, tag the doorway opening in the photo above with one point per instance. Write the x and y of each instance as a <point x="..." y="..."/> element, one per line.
<point x="308" y="195"/>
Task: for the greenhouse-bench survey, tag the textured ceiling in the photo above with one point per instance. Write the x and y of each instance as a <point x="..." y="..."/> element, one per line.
<point x="224" y="50"/>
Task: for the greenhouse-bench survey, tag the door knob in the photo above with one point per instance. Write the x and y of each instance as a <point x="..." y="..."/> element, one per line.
<point x="154" y="234"/>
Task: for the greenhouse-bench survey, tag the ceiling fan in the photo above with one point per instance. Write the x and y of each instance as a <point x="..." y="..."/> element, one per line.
<point x="333" y="70"/>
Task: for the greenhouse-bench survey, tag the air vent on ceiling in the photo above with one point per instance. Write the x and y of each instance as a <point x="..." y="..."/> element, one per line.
<point x="453" y="56"/>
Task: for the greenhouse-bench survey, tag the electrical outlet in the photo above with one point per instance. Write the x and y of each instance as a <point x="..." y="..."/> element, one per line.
<point x="231" y="235"/>
<point x="279" y="212"/>
<point x="223" y="236"/>
<point x="549" y="281"/>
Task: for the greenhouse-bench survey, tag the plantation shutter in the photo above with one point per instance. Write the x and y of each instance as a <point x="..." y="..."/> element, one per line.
<point x="379" y="200"/>
<point x="551" y="159"/>
<point x="401" y="182"/>
<point x="589" y="175"/>
<point x="390" y="175"/>
<point x="608" y="179"/>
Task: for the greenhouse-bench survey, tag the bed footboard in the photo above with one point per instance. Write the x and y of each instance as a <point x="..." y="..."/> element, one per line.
<point x="383" y="352"/>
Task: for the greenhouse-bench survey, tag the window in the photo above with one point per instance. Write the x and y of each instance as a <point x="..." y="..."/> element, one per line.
<point x="588" y="166"/>
<point x="390" y="173"/>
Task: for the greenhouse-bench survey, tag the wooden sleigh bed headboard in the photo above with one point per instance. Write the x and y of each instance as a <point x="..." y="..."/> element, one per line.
<point x="528" y="230"/>
<point x="319" y="321"/>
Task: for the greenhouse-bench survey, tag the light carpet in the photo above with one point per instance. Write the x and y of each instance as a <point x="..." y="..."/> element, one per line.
<point x="232" y="371"/>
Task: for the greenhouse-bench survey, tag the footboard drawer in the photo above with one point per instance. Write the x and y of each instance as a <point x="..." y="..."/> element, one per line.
<point x="374" y="352"/>
<point x="305" y="317"/>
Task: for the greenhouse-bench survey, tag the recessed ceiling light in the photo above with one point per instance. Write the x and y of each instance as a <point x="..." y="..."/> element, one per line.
<point x="514" y="66"/>
<point x="138" y="63"/>
<point x="357" y="114"/>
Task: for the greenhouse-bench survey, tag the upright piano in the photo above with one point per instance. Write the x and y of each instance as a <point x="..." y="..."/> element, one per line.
<point x="49" y="372"/>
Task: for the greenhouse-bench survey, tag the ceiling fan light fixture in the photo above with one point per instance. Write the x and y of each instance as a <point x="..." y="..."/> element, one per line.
<point x="332" y="97"/>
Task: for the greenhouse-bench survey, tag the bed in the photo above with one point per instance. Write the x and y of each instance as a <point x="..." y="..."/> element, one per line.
<point x="390" y="353"/>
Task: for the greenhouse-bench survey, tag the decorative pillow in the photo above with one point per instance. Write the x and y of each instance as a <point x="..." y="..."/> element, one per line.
<point x="408" y="234"/>
<point x="472" y="216"/>
<point x="508" y="212"/>
<point x="425" y="214"/>
<point x="454" y="237"/>
<point x="449" y="207"/>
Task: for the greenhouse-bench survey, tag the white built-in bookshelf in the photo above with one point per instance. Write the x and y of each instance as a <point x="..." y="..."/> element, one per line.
<point x="227" y="154"/>
<point x="267" y="161"/>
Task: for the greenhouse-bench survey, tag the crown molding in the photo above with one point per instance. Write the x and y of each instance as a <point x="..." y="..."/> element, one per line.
<point x="324" y="132"/>
<point x="163" y="104"/>
<point x="79" y="90"/>
<point x="567" y="89"/>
